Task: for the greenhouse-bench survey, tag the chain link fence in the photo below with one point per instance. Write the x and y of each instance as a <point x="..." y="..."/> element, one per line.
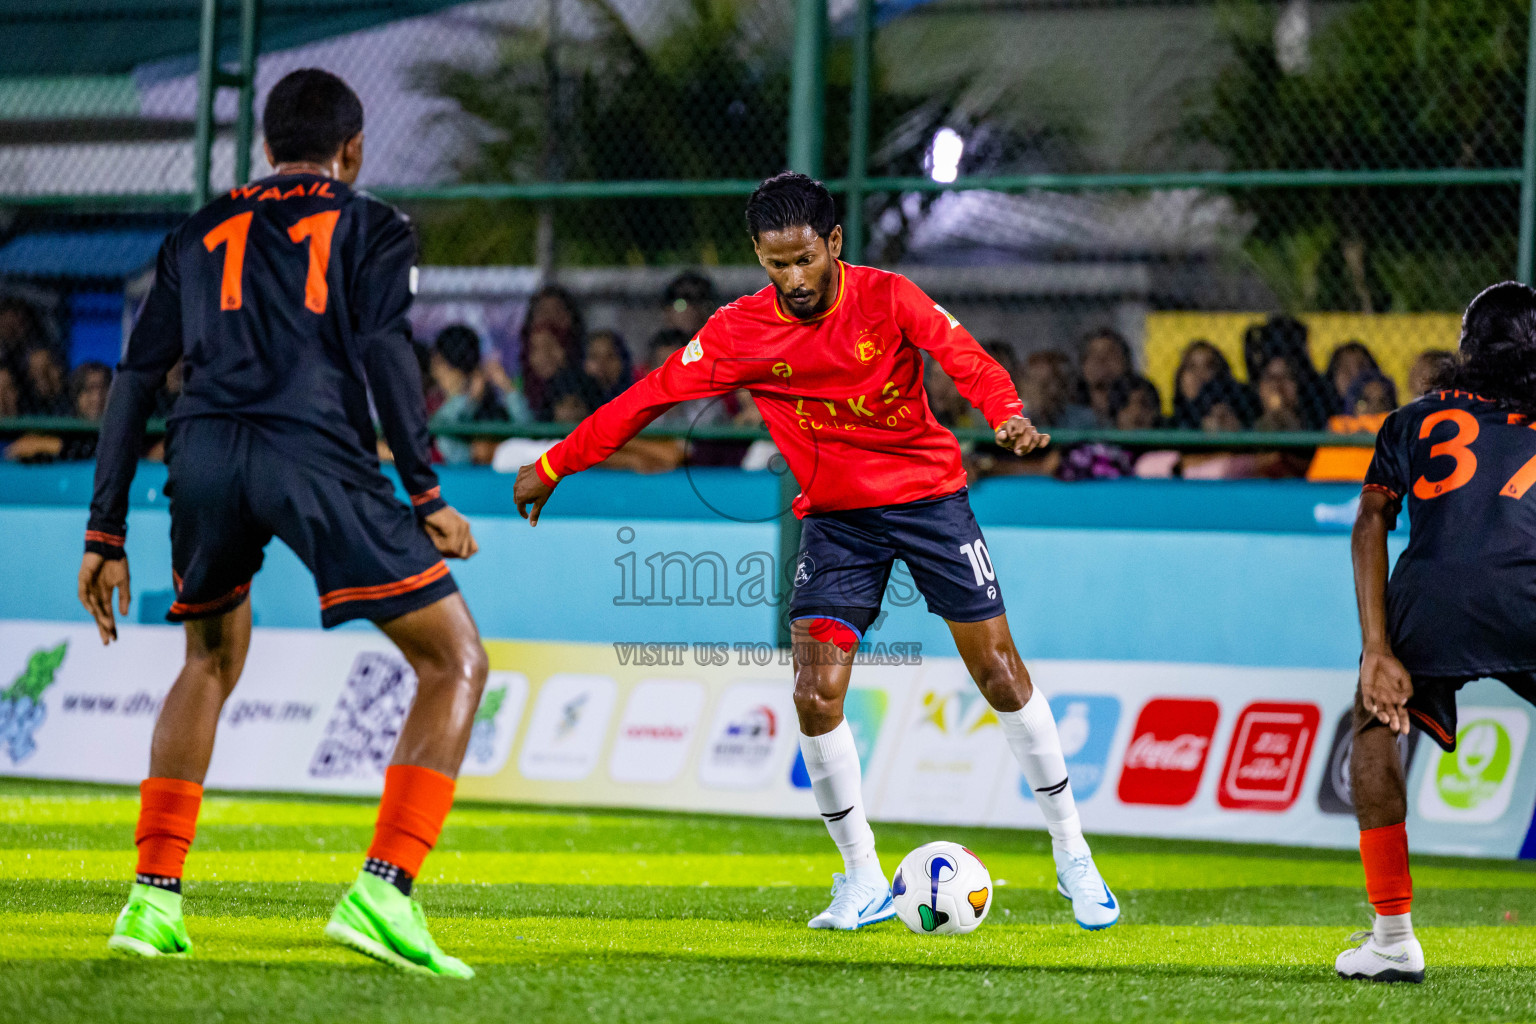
<point x="1273" y="211"/>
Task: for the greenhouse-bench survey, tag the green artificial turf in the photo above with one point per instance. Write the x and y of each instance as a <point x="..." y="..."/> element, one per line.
<point x="623" y="916"/>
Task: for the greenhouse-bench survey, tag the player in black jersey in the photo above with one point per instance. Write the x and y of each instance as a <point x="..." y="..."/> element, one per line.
<point x="1461" y="603"/>
<point x="287" y="301"/>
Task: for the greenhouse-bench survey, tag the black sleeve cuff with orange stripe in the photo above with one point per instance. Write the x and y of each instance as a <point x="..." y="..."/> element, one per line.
<point x="106" y="543"/>
<point x="428" y="502"/>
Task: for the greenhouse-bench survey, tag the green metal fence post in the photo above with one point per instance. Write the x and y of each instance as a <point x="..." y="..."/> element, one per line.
<point x="245" y="125"/>
<point x="807" y="88"/>
<point x="207" y="89"/>
<point x="1528" y="160"/>
<point x="858" y="133"/>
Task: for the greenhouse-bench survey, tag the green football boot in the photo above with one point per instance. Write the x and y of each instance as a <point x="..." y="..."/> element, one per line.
<point x="151" y="924"/>
<point x="380" y="921"/>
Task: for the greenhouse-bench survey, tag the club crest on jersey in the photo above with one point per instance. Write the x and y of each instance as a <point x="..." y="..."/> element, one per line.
<point x="782" y="369"/>
<point x="953" y="323"/>
<point x="869" y="347"/>
<point x="694" y="352"/>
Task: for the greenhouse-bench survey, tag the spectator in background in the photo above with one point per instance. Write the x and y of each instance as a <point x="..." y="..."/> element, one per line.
<point x="1286" y="336"/>
<point x="1134" y="404"/>
<point x="88" y="387"/>
<point x="468" y="396"/>
<point x="1347" y="364"/>
<point x="10" y="393"/>
<point x="1106" y="357"/>
<point x="573" y="397"/>
<point x="949" y="406"/>
<point x="608" y="363"/>
<point x="43" y="391"/>
<point x="688" y="301"/>
<point x="1370" y="400"/>
<point x="1200" y="364"/>
<point x="1372" y="394"/>
<point x="1046" y="387"/>
<point x="1279" y="389"/>
<point x="21" y="328"/>
<point x="1427" y="370"/>
<point x="547" y="350"/>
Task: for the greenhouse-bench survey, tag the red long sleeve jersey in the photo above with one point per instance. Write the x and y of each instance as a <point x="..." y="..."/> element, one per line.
<point x="841" y="393"/>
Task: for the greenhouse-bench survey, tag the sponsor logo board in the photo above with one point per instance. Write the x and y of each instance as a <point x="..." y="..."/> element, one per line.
<point x="949" y="760"/>
<point x="864" y="707"/>
<point x="1086" y="724"/>
<point x="749" y="741"/>
<point x="1168" y="751"/>
<point x="655" y="731"/>
<point x="496" y="721"/>
<point x="1473" y="784"/>
<point x="567" y="727"/>
<point x="1267" y="758"/>
<point x="23" y="707"/>
<point x="1334" y="795"/>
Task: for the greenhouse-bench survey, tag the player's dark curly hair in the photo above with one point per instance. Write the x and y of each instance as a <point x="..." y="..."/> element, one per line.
<point x="791" y="200"/>
<point x="1497" y="358"/>
<point x="310" y="114"/>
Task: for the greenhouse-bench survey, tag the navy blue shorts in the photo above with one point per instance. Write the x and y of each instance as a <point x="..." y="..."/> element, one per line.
<point x="1433" y="704"/>
<point x="232" y="490"/>
<point x="845" y="561"/>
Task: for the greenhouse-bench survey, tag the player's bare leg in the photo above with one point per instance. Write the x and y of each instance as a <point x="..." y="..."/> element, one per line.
<point x="1389" y="951"/>
<point x="377" y="917"/>
<point x="169" y="799"/>
<point x="993" y="661"/>
<point x="860" y="895"/>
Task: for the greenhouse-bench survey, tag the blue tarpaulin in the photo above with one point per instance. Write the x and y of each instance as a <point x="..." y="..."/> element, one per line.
<point x="81" y="254"/>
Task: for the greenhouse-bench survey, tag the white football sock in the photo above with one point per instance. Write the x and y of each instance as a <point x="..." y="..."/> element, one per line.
<point x="1393" y="929"/>
<point x="1031" y="734"/>
<point x="832" y="762"/>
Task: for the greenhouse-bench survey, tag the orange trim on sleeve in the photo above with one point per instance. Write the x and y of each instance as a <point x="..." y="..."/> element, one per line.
<point x="425" y="496"/>
<point x="104" y="538"/>
<point x="1389" y="492"/>
<point x="383" y="590"/>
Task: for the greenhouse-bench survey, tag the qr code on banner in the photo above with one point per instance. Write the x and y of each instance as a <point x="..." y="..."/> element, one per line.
<point x="360" y="738"/>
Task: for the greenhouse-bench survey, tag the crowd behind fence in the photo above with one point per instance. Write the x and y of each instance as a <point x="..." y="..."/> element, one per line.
<point x="1253" y="222"/>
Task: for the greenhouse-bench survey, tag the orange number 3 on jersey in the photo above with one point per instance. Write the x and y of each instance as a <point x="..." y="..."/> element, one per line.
<point x="1467" y="429"/>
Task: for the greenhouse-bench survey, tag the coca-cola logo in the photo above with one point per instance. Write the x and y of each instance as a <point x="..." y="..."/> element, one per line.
<point x="1181" y="754"/>
<point x="1267" y="760"/>
<point x="1169" y="746"/>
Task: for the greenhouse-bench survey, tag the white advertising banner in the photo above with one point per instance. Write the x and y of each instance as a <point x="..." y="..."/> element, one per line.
<point x="1194" y="751"/>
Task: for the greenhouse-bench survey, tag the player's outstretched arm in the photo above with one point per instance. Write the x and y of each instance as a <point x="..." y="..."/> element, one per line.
<point x="697" y="371"/>
<point x="1385" y="684"/>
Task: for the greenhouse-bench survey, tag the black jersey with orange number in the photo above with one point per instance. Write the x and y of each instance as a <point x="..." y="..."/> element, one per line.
<point x="287" y="298"/>
<point x="1462" y="598"/>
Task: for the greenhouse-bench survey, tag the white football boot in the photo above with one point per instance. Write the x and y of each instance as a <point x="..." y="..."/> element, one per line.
<point x="1077" y="879"/>
<point x="1371" y="961"/>
<point x="856" y="903"/>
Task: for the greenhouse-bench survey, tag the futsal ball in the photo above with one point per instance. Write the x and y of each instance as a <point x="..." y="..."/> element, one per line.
<point x="942" y="889"/>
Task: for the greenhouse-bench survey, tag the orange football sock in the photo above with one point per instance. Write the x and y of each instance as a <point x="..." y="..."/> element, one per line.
<point x="167" y="824"/>
<point x="416" y="800"/>
<point x="1384" y="852"/>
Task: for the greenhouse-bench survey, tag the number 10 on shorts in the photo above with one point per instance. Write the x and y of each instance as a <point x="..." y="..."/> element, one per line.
<point x="981" y="564"/>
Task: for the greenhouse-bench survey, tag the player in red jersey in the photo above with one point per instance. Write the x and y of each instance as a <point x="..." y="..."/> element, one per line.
<point x="1461" y="601"/>
<point x="287" y="301"/>
<point x="833" y="356"/>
